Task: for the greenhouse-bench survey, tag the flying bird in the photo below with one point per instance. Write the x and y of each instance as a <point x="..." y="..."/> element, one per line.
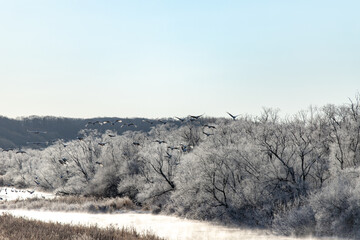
<point x="207" y="134"/>
<point x="102" y="143"/>
<point x="63" y="161"/>
<point x="148" y="121"/>
<point x="196" y="117"/>
<point x="233" y="116"/>
<point x="96" y="122"/>
<point x="37" y="143"/>
<point x="160" y="141"/>
<point x="136" y="143"/>
<point x="116" y="121"/>
<point x="111" y="135"/>
<point x="36" y="132"/>
<point x="209" y="126"/>
<point x="172" y="148"/>
<point x="184" y="148"/>
<point x="128" y="125"/>
<point x="105" y="122"/>
<point x="181" y="119"/>
<point x="99" y="163"/>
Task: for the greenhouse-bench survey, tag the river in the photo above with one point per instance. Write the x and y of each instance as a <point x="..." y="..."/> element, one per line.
<point x="168" y="227"/>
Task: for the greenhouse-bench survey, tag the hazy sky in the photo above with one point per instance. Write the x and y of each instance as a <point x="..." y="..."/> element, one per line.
<point x="173" y="58"/>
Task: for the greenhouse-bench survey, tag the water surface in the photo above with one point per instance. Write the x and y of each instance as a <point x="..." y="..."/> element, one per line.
<point x="168" y="227"/>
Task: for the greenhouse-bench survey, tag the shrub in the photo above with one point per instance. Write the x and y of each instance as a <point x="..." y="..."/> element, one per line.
<point x="299" y="221"/>
<point x="337" y="206"/>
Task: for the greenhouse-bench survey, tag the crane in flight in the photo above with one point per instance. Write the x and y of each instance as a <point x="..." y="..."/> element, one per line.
<point x="181" y="119"/>
<point x="196" y="117"/>
<point x="36" y="132"/>
<point x="96" y="122"/>
<point x="207" y="134"/>
<point x="232" y="116"/>
<point x="38" y="143"/>
<point x="128" y="125"/>
<point x="162" y="121"/>
<point x="209" y="126"/>
<point x="148" y="121"/>
<point x="172" y="148"/>
<point x="99" y="163"/>
<point x="63" y="161"/>
<point x="160" y="141"/>
<point x="106" y="122"/>
<point x="116" y="121"/>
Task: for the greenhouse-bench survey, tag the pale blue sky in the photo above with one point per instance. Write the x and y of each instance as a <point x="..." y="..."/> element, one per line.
<point x="174" y="58"/>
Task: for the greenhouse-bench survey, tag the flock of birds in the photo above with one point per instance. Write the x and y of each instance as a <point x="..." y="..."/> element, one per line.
<point x="16" y="190"/>
<point x="13" y="190"/>
<point x="184" y="148"/>
<point x="169" y="155"/>
<point x="190" y="118"/>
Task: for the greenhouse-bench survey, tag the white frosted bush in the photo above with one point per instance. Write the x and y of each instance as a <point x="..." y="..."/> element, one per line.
<point x="297" y="221"/>
<point x="337" y="206"/>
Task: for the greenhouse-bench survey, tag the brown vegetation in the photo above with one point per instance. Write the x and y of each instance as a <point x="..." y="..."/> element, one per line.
<point x="20" y="228"/>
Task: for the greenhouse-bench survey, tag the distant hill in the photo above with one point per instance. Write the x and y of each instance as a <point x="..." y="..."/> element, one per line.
<point x="15" y="133"/>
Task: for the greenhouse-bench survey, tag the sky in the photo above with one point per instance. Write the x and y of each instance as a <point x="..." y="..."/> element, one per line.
<point x="92" y="58"/>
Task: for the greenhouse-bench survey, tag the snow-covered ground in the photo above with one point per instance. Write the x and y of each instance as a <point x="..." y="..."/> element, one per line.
<point x="164" y="226"/>
<point x="8" y="193"/>
<point x="168" y="227"/>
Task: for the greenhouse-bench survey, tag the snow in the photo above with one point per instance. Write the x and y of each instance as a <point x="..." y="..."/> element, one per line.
<point x="9" y="194"/>
<point x="168" y="227"/>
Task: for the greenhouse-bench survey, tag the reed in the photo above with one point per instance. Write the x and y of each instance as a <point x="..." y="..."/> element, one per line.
<point x="21" y="228"/>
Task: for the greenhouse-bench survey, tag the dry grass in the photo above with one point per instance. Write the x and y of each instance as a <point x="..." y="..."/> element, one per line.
<point x="72" y="203"/>
<point x="20" y="228"/>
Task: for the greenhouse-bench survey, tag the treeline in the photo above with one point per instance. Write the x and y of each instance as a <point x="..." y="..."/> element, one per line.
<point x="297" y="175"/>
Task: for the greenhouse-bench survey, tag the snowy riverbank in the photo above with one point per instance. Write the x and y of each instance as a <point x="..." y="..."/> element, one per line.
<point x="10" y="194"/>
<point x="168" y="227"/>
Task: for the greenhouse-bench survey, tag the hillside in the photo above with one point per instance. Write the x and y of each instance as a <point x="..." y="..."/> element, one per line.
<point x="17" y="133"/>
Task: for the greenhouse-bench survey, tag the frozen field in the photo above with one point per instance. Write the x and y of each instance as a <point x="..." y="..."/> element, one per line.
<point x="168" y="227"/>
<point x="163" y="226"/>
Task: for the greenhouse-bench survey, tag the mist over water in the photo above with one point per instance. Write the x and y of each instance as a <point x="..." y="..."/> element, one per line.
<point x="168" y="227"/>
